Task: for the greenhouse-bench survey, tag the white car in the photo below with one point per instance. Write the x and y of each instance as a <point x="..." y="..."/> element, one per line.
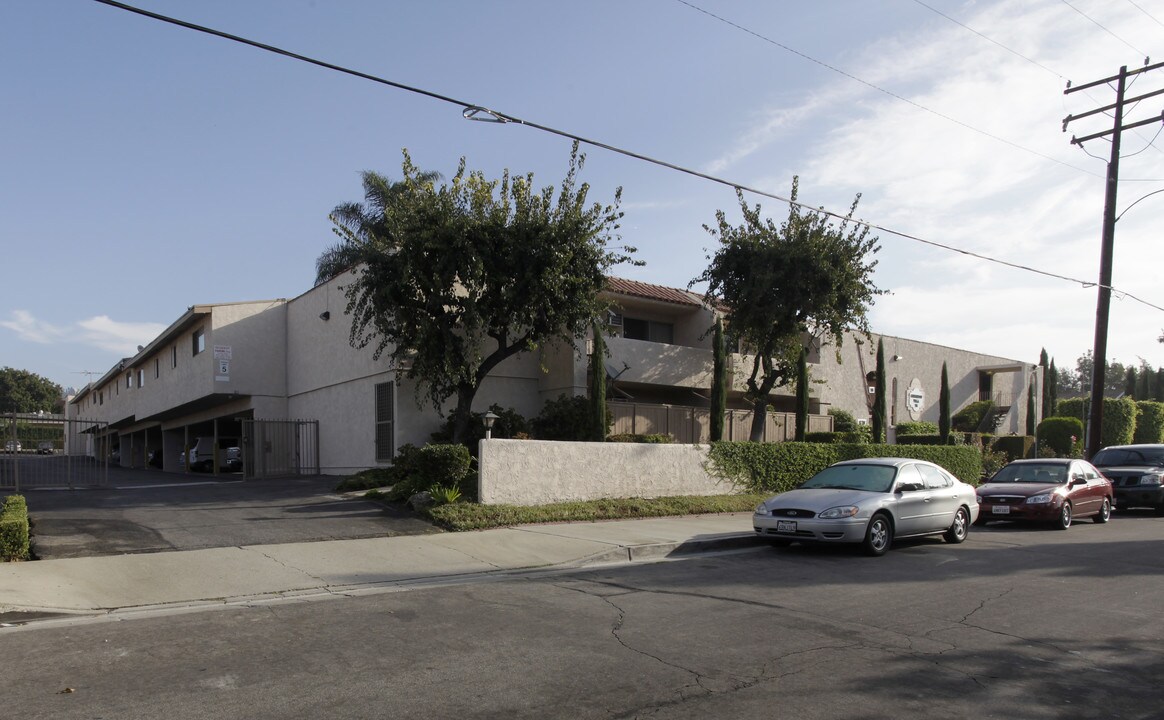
<point x="870" y="501"/>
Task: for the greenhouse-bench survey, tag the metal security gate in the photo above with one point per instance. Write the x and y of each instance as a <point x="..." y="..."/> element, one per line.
<point x="43" y="450"/>
<point x="279" y="448"/>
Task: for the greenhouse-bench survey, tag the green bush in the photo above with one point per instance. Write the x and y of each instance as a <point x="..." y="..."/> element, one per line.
<point x="655" y="439"/>
<point x="916" y="428"/>
<point x="970" y="417"/>
<point x="1061" y="435"/>
<point x="1119" y="418"/>
<point x="777" y="467"/>
<point x="1150" y="422"/>
<point x="843" y="421"/>
<point x="1015" y="446"/>
<point x="926" y="439"/>
<point x="862" y="435"/>
<point x="14" y="534"/>
<point x="509" y="424"/>
<point x="567" y="418"/>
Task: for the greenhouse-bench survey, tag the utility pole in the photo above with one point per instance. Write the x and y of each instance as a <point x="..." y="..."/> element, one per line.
<point x="1103" y="302"/>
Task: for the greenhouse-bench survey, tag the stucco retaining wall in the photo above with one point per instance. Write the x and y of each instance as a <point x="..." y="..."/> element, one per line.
<point x="533" y="472"/>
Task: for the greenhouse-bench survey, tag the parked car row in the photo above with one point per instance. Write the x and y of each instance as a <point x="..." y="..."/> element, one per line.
<point x="44" y="447"/>
<point x="202" y="453"/>
<point x="873" y="501"/>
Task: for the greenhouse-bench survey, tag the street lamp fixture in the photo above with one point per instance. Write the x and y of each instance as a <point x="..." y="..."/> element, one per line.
<point x="489" y="418"/>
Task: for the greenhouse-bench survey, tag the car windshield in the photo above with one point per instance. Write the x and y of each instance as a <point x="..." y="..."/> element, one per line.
<point x="1129" y="456"/>
<point x="872" y="478"/>
<point x="1031" y="473"/>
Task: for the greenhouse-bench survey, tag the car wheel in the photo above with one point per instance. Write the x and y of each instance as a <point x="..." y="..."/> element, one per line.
<point x="878" y="536"/>
<point x="1104" y="513"/>
<point x="959" y="529"/>
<point x="1064" y="520"/>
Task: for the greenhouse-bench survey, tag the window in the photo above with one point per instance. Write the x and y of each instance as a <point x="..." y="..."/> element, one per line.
<point x="199" y="339"/>
<point x="101" y="398"/>
<point x="385" y="449"/>
<point x="934" y="477"/>
<point x="140" y="377"/>
<point x="650" y="330"/>
<point x="129" y="379"/>
<point x="174" y="356"/>
<point x="157" y="368"/>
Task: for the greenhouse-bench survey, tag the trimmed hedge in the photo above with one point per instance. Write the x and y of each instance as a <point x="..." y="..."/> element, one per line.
<point x="970" y="417"/>
<point x="1150" y="422"/>
<point x="1015" y="446"/>
<point x="1119" y="418"/>
<point x="863" y="435"/>
<point x="1056" y="433"/>
<point x="925" y="439"/>
<point x="14" y="535"/>
<point x="777" y="467"/>
<point x="655" y="439"/>
<point x="916" y="428"/>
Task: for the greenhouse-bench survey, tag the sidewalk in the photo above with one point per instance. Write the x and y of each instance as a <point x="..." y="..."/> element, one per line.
<point x="250" y="573"/>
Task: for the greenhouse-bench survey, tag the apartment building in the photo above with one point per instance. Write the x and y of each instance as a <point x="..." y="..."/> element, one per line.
<point x="283" y="375"/>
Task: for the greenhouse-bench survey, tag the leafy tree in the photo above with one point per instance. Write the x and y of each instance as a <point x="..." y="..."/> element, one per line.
<point x="362" y="220"/>
<point x="598" y="386"/>
<point x="944" y="406"/>
<point x="843" y="420"/>
<point x="454" y="280"/>
<point x="719" y="386"/>
<point x="22" y="391"/>
<point x="1078" y="384"/>
<point x="1158" y="391"/>
<point x="802" y="395"/>
<point x="1130" y="383"/>
<point x="879" y="395"/>
<point x="779" y="283"/>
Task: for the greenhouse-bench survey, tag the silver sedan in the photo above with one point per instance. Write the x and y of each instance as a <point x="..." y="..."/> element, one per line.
<point x="870" y="501"/>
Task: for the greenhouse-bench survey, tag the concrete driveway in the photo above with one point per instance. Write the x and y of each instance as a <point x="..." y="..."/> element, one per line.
<point x="149" y="511"/>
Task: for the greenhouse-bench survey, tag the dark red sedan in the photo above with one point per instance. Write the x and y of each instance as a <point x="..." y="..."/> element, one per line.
<point x="1051" y="490"/>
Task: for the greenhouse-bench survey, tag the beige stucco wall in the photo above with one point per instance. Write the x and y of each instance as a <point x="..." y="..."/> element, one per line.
<point x="845" y="387"/>
<point x="532" y="472"/>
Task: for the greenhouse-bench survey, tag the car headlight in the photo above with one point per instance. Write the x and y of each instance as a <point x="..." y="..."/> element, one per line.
<point x="979" y="499"/>
<point x="834" y="513"/>
<point x="762" y="509"/>
<point x="1041" y="499"/>
<point x="1150" y="479"/>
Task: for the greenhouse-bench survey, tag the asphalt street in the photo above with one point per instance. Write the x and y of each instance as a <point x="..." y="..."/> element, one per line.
<point x="1015" y="623"/>
<point x="150" y="511"/>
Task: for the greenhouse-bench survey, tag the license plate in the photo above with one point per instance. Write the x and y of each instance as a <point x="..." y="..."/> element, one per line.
<point x="1001" y="510"/>
<point x="788" y="526"/>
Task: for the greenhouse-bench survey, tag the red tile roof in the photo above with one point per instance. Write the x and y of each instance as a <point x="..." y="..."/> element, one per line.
<point x="652" y="292"/>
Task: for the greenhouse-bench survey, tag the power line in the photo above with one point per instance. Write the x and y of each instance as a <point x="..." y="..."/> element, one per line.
<point x="880" y="89"/>
<point x="1150" y="143"/>
<point x="473" y="111"/>
<point x="1016" y="53"/>
<point x="1109" y="32"/>
<point x="1146" y="13"/>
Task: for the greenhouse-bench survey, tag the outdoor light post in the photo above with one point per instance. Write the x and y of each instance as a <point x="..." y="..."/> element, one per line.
<point x="489" y="418"/>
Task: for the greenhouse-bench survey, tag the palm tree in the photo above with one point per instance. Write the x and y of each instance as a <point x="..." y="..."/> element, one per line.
<point x="359" y="222"/>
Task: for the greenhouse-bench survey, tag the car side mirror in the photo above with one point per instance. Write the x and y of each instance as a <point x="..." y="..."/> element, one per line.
<point x="909" y="487"/>
<point x="1078" y="480"/>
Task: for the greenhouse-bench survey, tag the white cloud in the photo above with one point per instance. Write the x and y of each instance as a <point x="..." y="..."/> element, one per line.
<point x="32" y="330"/>
<point x="102" y="332"/>
<point x="932" y="178"/>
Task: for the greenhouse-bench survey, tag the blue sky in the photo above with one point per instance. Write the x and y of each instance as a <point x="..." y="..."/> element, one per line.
<point x="145" y="167"/>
